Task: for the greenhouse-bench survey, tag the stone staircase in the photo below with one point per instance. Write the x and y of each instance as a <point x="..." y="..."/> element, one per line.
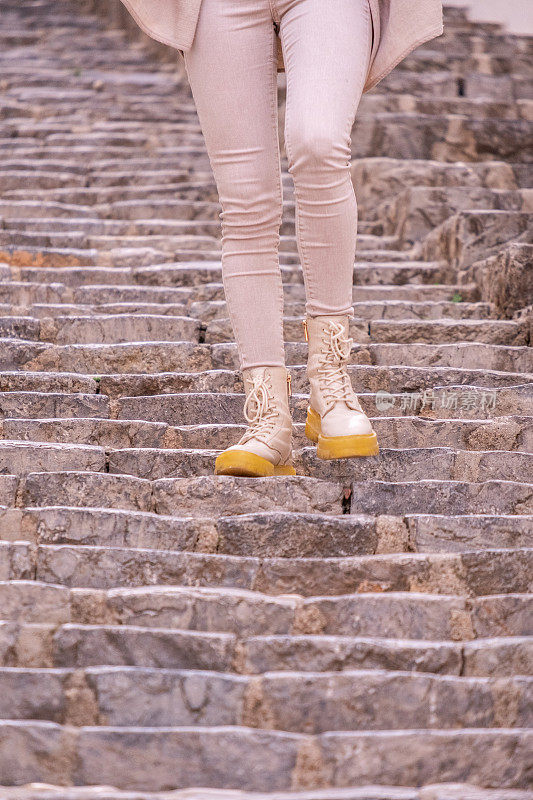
<point x="359" y="632"/>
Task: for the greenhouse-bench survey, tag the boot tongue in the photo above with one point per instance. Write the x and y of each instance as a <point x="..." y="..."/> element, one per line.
<point x="259" y="410"/>
<point x="257" y="402"/>
<point x="338" y="384"/>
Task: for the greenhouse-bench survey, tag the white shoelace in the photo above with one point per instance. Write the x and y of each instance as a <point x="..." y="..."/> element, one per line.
<point x="334" y="380"/>
<point x="259" y="412"/>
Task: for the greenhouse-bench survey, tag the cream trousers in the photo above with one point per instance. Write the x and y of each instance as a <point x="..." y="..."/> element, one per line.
<point x="231" y="68"/>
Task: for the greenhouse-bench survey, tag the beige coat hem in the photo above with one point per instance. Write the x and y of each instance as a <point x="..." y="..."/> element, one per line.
<point x="399" y="26"/>
<point x="425" y="37"/>
<point x="151" y="32"/>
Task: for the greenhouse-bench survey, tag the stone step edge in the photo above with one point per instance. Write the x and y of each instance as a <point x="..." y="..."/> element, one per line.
<point x="433" y="791"/>
<point x="255" y="481"/>
<point x="285" y="675"/>
<point x="518" y="417"/>
<point x="233" y="728"/>
<point x="523" y="378"/>
<point x="55" y="628"/>
<point x="240" y="645"/>
<point x="252" y="515"/>
<point x="291" y="601"/>
<point x="76" y="447"/>
<point x="396" y="558"/>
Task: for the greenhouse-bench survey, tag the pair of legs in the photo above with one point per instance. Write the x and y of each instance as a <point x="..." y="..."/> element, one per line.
<point x="231" y="68"/>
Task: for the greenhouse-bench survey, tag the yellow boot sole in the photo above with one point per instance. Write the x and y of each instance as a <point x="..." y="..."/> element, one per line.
<point x="243" y="464"/>
<point x="329" y="447"/>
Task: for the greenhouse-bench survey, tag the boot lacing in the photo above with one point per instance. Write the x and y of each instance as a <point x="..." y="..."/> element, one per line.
<point x="259" y="411"/>
<point x="334" y="379"/>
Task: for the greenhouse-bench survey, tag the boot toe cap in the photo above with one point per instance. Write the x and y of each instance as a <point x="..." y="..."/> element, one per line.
<point x="346" y="424"/>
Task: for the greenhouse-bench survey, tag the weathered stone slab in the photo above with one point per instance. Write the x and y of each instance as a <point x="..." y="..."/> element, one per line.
<point x="30" y="404"/>
<point x="438" y="533"/>
<point x="437" y="497"/>
<point x="115" y="528"/>
<point x="287" y="534"/>
<point x="36" y="751"/>
<point x="87" y="489"/>
<point x="89" y="645"/>
<point x="20" y="457"/>
<point x="470" y="235"/>
<point x="459" y="756"/>
<point x="154" y="759"/>
<point x="505" y="279"/>
<point x="211" y="495"/>
<point x="28" y="601"/>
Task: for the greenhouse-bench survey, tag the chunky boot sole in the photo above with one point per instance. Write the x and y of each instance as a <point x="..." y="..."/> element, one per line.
<point x="243" y="464"/>
<point x="329" y="447"/>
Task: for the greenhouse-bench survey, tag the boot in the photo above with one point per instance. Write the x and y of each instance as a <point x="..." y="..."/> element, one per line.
<point x="335" y="419"/>
<point x="266" y="447"/>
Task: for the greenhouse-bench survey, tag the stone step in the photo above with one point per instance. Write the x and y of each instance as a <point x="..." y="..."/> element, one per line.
<point x="506" y="434"/>
<point x="267" y="534"/>
<point x="95" y="358"/>
<point x="86" y="489"/>
<point x="462" y="355"/>
<point x="395" y="379"/>
<point x="46" y="311"/>
<point x="153" y="357"/>
<point x="479" y="108"/>
<point x="392" y="379"/>
<point x="403" y="615"/>
<point x="459" y="57"/>
<point x="411" y="136"/>
<point x="407" y="292"/>
<point x="502" y="332"/>
<point x="438" y="497"/>
<point x="27" y="293"/>
<point x="73" y="645"/>
<point x="446" y="84"/>
<point x="233" y="757"/>
<point x="110" y="329"/>
<point x="62" y="405"/>
<point x="378" y="178"/>
<point x="96" y="195"/>
<point x="161" y="234"/>
<point x="195" y="497"/>
<point x="210" y="495"/>
<point x="28" y="302"/>
<point x="89" y="566"/>
<point x="275" y="701"/>
<point x="102" y="433"/>
<point x="468" y="236"/>
<point x="374" y="310"/>
<point x="443" y="463"/>
<point x="19" y="458"/>
<point x="491" y="276"/>
<point x="414" y="213"/>
<point x="91" y="284"/>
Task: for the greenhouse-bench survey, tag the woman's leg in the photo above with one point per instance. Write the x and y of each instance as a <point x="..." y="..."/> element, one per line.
<point x="232" y="72"/>
<point x="231" y="68"/>
<point x="326" y="49"/>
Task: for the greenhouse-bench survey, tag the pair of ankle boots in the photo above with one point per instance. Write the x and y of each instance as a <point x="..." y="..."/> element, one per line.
<point x="335" y="419"/>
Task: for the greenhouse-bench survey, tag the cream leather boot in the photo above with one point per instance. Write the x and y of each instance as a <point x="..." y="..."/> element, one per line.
<point x="266" y="447"/>
<point x="335" y="419"/>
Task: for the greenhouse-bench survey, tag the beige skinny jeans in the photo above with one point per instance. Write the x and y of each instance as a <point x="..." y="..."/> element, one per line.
<point x="231" y="68"/>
